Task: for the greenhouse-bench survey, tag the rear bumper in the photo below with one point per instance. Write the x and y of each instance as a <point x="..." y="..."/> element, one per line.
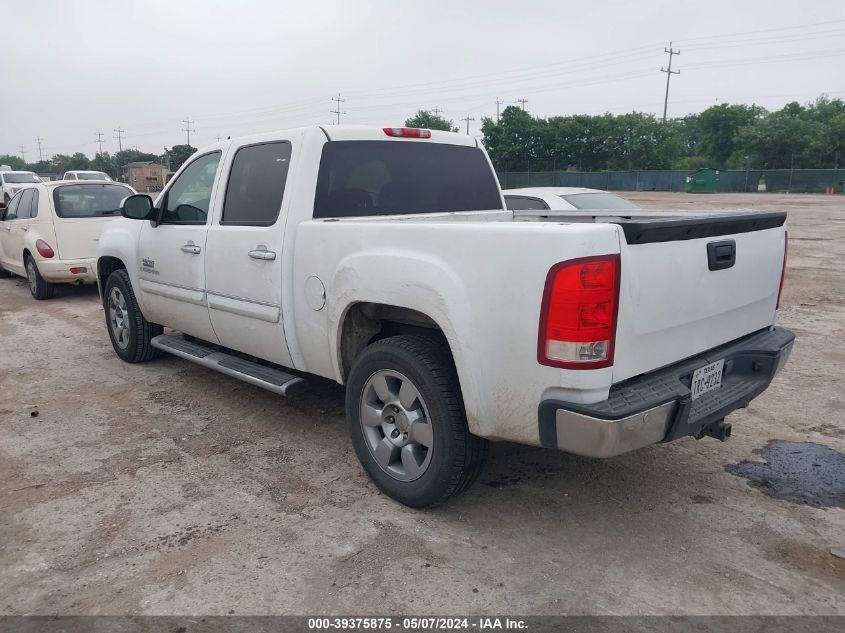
<point x="657" y="407"/>
<point x="58" y="270"/>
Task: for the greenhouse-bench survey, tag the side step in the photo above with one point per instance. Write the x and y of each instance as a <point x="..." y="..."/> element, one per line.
<point x="274" y="380"/>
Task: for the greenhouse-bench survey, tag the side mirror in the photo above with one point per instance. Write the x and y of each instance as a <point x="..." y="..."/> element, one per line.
<point x="138" y="207"/>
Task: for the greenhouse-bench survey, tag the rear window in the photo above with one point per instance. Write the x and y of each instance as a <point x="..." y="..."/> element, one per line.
<point x="89" y="201"/>
<point x="93" y="175"/>
<point x="360" y="178"/>
<point x="599" y="201"/>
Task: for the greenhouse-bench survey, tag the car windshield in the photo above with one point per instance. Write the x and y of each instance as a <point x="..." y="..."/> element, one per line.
<point x="20" y="177"/>
<point x="89" y="201"/>
<point x="93" y="175"/>
<point x="599" y="200"/>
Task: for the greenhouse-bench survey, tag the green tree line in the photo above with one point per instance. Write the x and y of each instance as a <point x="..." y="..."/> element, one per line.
<point x="112" y="164"/>
<point x="726" y="136"/>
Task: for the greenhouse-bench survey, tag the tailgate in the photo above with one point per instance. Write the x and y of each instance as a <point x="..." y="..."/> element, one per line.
<point x="672" y="305"/>
<point x="77" y="238"/>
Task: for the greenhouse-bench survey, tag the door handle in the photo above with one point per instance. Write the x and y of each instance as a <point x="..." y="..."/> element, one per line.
<point x="191" y="248"/>
<point x="25" y="229"/>
<point x="262" y="253"/>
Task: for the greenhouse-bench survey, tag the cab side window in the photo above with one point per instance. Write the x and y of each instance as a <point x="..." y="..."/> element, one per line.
<point x="256" y="185"/>
<point x="189" y="197"/>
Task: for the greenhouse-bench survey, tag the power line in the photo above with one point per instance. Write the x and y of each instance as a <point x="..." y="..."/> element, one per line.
<point x="523" y="102"/>
<point x="119" y="138"/>
<point x="188" y="129"/>
<point x="337" y="110"/>
<point x="100" y="141"/>
<point x="669" y="72"/>
<point x="468" y="118"/>
<point x="38" y="140"/>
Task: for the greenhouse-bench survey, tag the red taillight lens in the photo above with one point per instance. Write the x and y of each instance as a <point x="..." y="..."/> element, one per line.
<point x="44" y="249"/>
<point x="407" y="132"/>
<point x="783" y="268"/>
<point x="578" y="313"/>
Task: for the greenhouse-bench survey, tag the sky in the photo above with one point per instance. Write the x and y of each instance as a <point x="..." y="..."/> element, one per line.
<point x="72" y="68"/>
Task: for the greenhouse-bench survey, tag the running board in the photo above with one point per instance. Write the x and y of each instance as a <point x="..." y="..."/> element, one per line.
<point x="274" y="380"/>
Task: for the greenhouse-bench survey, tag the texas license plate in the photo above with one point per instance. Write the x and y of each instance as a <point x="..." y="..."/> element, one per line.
<point x="707" y="378"/>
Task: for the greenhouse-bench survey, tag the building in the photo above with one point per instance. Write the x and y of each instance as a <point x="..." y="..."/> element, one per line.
<point x="145" y="176"/>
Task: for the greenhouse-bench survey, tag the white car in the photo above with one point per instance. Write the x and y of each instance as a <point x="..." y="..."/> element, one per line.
<point x="385" y="259"/>
<point x="79" y="174"/>
<point x="49" y="232"/>
<point x="565" y="199"/>
<point x="13" y="181"/>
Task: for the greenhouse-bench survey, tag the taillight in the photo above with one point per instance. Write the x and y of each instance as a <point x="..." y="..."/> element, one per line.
<point x="407" y="132"/>
<point x="783" y="268"/>
<point x="44" y="249"/>
<point x="578" y="313"/>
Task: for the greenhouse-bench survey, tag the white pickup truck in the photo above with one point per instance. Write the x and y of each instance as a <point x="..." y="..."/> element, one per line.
<point x="385" y="259"/>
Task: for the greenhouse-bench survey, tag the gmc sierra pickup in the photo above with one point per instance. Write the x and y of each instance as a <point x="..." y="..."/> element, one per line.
<point x="385" y="259"/>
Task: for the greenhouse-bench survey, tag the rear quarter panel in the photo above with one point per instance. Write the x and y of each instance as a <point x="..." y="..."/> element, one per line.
<point x="481" y="282"/>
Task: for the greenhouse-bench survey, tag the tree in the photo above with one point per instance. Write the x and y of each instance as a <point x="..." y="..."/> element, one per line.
<point x="426" y="120"/>
<point x="717" y="128"/>
<point x="15" y="162"/>
<point x="176" y="156"/>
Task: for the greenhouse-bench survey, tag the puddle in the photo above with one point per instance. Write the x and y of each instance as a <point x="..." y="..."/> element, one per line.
<point x="799" y="472"/>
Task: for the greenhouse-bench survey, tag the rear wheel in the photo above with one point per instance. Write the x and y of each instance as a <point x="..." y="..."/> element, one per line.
<point x="131" y="334"/>
<point x="407" y="421"/>
<point x="38" y="287"/>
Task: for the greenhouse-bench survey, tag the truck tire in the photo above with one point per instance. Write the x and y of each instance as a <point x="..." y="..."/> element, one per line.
<point x="407" y="422"/>
<point x="129" y="331"/>
<point x="38" y="287"/>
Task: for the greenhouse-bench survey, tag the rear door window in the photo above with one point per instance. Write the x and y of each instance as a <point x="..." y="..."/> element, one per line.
<point x="361" y="178"/>
<point x="25" y="204"/>
<point x="12" y="211"/>
<point x="257" y="184"/>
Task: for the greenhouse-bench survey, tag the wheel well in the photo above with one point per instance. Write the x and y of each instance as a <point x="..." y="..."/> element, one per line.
<point x="106" y="266"/>
<point x="26" y="254"/>
<point x="367" y="323"/>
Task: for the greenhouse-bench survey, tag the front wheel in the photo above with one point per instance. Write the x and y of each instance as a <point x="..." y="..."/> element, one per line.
<point x="38" y="287"/>
<point x="406" y="419"/>
<point x="131" y="334"/>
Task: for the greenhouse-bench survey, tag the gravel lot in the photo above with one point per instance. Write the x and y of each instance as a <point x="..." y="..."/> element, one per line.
<point x="168" y="489"/>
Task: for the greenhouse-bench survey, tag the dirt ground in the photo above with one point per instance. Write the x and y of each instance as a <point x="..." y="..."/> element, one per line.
<point x="166" y="488"/>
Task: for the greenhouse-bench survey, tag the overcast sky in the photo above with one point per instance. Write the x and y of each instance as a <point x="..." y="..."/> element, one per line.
<point x="71" y="68"/>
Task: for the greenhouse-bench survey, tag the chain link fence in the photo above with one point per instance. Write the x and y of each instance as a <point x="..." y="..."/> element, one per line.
<point x="730" y="181"/>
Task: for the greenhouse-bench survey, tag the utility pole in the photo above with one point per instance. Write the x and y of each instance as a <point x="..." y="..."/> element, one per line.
<point x="188" y="129"/>
<point x="219" y="138"/>
<point x="23" y="154"/>
<point x="166" y="158"/>
<point x="498" y="103"/>
<point x="38" y="140"/>
<point x="436" y="110"/>
<point x="523" y="102"/>
<point x="100" y="140"/>
<point x="337" y="110"/>
<point x="669" y="72"/>
<point x="119" y="138"/>
<point x="468" y="119"/>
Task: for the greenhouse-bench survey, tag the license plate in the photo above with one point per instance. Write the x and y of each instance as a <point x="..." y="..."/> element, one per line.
<point x="707" y="378"/>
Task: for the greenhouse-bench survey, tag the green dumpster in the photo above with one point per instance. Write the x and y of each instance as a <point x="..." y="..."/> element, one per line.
<point x="705" y="180"/>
